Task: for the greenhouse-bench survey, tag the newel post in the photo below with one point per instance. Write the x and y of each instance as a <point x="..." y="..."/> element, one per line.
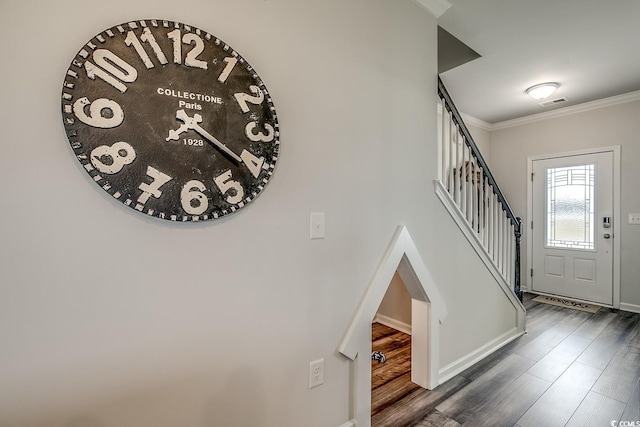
<point x="516" y="281"/>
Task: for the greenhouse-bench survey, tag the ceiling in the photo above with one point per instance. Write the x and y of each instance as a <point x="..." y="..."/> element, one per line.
<point x="590" y="47"/>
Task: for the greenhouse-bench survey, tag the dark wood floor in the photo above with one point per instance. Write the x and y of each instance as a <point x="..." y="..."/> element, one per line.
<point x="572" y="368"/>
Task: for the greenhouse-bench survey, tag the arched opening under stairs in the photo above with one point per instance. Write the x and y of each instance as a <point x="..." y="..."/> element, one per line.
<point x="428" y="311"/>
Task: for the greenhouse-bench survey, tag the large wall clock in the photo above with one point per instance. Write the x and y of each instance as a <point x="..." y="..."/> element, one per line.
<point x="170" y="120"/>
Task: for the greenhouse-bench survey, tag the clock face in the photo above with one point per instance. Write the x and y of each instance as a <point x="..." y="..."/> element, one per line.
<point x="170" y="120"/>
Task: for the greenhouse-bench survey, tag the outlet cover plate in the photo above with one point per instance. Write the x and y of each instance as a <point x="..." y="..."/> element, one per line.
<point x="316" y="373"/>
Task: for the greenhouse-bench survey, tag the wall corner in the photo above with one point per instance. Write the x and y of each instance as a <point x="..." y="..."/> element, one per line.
<point x="434" y="7"/>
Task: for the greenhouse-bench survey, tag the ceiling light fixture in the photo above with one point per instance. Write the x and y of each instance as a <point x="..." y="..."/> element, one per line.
<point x="542" y="90"/>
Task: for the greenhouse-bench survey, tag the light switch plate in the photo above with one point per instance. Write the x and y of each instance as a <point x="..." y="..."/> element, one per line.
<point x="317" y="225"/>
<point x="634" y="218"/>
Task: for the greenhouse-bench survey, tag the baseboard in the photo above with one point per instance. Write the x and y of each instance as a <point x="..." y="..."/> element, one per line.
<point x="453" y="369"/>
<point x="393" y="323"/>
<point x="351" y="423"/>
<point x="630" y="307"/>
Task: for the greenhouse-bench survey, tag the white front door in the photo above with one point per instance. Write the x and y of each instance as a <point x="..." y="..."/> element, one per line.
<point x="572" y="230"/>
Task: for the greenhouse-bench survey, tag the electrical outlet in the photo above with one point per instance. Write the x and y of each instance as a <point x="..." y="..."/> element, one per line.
<point x="634" y="218"/>
<point x="316" y="373"/>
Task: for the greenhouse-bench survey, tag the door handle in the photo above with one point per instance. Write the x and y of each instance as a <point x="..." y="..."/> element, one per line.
<point x="607" y="235"/>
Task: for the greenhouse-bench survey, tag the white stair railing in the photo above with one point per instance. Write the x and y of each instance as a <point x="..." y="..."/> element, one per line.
<point x="473" y="190"/>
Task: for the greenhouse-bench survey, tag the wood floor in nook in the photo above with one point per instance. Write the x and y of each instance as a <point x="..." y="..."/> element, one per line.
<point x="572" y="368"/>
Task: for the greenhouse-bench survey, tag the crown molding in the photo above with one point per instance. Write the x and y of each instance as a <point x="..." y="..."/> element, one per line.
<point x="434" y="7"/>
<point x="474" y="121"/>
<point x="469" y="120"/>
<point x="566" y="111"/>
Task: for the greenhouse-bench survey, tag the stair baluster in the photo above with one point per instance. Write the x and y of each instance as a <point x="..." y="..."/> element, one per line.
<point x="469" y="182"/>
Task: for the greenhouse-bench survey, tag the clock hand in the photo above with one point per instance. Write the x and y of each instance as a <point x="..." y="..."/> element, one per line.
<point x="217" y="143"/>
<point x="175" y="134"/>
<point x="182" y="116"/>
<point x="192" y="123"/>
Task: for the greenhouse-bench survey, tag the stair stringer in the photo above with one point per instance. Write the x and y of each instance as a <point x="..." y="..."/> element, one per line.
<point x="468" y="232"/>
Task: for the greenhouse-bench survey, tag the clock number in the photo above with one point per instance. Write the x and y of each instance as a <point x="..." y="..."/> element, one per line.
<point x="147" y="37"/>
<point x="231" y="62"/>
<point x="132" y="39"/>
<point x="177" y="47"/>
<point x="259" y="137"/>
<point x="225" y="183"/>
<point x="110" y="68"/>
<point x="192" y="56"/>
<point x="111" y="159"/>
<point x="243" y="98"/>
<point x="253" y="163"/>
<point x="95" y="118"/>
<point x="153" y="189"/>
<point x="191" y="59"/>
<point x="193" y="201"/>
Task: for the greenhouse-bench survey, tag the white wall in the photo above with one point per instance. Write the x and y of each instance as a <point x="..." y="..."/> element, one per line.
<point x="482" y="138"/>
<point x="396" y="304"/>
<point x="614" y="125"/>
<point x="110" y="318"/>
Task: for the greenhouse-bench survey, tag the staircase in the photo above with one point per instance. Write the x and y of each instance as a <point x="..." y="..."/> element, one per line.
<point x="470" y="193"/>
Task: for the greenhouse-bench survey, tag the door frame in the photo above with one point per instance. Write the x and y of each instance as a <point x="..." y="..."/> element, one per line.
<point x="616" y="212"/>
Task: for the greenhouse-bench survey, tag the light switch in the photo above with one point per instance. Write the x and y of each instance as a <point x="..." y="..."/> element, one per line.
<point x="317" y="225"/>
<point x="634" y="218"/>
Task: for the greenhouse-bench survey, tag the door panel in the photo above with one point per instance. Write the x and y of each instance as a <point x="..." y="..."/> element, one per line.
<point x="572" y="205"/>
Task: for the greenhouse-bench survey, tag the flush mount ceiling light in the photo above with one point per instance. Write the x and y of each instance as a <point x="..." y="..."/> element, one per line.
<point x="542" y="90"/>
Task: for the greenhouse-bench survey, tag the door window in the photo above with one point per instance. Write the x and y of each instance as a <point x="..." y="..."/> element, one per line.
<point x="570" y="207"/>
